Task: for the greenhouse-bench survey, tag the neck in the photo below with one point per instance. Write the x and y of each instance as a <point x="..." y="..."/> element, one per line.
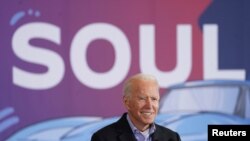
<point x="141" y="127"/>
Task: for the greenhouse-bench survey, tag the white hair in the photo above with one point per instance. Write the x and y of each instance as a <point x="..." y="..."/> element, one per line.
<point x="130" y="82"/>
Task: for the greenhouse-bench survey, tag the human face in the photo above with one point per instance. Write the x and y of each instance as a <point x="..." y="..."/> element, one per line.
<point x="143" y="103"/>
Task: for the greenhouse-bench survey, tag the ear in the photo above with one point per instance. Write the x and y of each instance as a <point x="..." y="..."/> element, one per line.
<point x="126" y="102"/>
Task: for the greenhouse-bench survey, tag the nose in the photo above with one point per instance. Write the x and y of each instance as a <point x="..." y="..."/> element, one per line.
<point x="148" y="103"/>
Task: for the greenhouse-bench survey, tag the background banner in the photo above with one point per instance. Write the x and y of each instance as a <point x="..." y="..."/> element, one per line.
<point x="63" y="63"/>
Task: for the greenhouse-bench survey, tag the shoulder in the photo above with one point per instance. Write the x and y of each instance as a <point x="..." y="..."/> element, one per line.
<point x="104" y="133"/>
<point x="120" y="124"/>
<point x="164" y="132"/>
<point x="161" y="128"/>
<point x="111" y="131"/>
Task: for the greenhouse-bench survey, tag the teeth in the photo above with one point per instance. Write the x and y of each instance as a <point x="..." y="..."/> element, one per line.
<point x="147" y="113"/>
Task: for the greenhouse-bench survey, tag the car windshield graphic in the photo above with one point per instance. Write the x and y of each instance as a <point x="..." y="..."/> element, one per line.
<point x="221" y="99"/>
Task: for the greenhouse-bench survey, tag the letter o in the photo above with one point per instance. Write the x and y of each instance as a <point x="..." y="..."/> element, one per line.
<point x="78" y="55"/>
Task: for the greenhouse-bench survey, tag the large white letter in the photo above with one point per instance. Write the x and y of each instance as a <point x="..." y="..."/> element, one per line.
<point x="78" y="55"/>
<point x="210" y="52"/>
<point x="184" y="55"/>
<point x="37" y="55"/>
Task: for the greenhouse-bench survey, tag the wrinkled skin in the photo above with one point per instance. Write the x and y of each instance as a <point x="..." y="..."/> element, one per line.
<point x="143" y="103"/>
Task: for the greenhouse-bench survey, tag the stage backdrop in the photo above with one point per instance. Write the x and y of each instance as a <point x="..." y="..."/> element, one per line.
<point x="64" y="61"/>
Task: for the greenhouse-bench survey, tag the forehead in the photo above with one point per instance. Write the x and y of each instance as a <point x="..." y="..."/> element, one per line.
<point x="145" y="86"/>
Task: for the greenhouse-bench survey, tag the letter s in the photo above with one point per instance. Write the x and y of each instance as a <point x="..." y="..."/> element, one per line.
<point x="37" y="55"/>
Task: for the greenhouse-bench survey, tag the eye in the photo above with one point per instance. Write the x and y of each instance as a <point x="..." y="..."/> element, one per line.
<point x="154" y="99"/>
<point x="142" y="98"/>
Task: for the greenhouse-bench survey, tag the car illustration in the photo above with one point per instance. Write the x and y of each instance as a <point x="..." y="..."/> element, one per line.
<point x="187" y="108"/>
<point x="196" y="104"/>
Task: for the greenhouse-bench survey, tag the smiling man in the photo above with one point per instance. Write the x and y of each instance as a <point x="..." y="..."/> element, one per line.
<point x="141" y="99"/>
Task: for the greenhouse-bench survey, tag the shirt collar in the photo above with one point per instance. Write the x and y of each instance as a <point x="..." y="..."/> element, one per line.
<point x="135" y="130"/>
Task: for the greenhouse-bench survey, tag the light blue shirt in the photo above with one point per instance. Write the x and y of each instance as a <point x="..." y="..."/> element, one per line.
<point x="141" y="136"/>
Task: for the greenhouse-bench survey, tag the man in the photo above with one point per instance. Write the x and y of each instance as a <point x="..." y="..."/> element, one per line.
<point x="141" y="99"/>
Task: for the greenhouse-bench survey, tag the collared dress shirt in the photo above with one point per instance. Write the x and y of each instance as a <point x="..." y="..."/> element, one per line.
<point x="141" y="136"/>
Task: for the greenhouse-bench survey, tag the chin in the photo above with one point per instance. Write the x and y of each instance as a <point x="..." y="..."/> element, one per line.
<point x="148" y="121"/>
